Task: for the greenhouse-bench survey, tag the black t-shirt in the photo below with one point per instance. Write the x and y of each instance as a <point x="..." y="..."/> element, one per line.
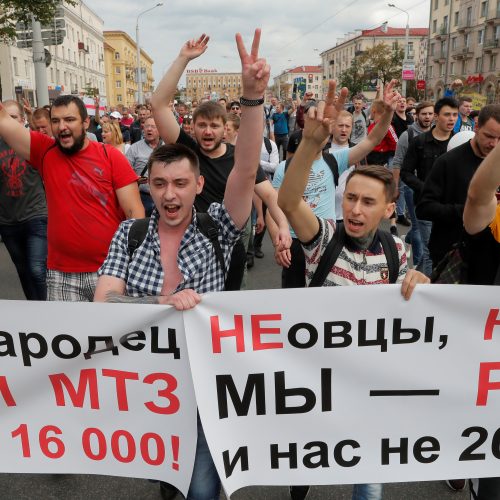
<point x="215" y="171"/>
<point x="399" y="124"/>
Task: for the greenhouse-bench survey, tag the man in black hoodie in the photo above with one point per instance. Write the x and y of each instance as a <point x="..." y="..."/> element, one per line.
<point x="445" y="190"/>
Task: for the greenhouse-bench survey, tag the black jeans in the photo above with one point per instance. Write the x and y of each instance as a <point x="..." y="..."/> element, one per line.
<point x="26" y="243"/>
<point x="295" y="275"/>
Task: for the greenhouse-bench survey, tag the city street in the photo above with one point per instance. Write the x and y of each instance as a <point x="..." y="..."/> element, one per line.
<point x="265" y="274"/>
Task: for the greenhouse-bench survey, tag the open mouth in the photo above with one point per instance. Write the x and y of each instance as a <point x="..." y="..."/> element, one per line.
<point x="65" y="136"/>
<point x="171" y="210"/>
<point x="354" y="224"/>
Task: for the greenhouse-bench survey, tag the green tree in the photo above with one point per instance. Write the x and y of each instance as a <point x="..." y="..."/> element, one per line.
<point x="383" y="61"/>
<point x="353" y="77"/>
<point x="15" y="11"/>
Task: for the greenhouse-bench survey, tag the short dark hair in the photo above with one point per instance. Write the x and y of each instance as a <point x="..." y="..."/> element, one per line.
<point x="379" y="173"/>
<point x="464" y="98"/>
<point x="424" y="104"/>
<point x="66" y="100"/>
<point x="487" y="112"/>
<point x="445" y="101"/>
<point x="168" y="153"/>
<point x="210" y="110"/>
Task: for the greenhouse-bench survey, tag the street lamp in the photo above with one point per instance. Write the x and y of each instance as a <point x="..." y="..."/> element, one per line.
<point x="139" y="74"/>
<point x="407" y="35"/>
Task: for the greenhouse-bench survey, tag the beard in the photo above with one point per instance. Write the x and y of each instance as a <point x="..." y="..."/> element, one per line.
<point x="78" y="143"/>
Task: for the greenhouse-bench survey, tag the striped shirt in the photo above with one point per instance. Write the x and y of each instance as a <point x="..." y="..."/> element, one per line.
<point x="353" y="266"/>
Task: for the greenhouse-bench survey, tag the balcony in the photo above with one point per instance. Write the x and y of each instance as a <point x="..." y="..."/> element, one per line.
<point x="439" y="56"/>
<point x="494" y="17"/>
<point x="442" y="32"/>
<point x="491" y="46"/>
<point x="462" y="52"/>
<point x="466" y="24"/>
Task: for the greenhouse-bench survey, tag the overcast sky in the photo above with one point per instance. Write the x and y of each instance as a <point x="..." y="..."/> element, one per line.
<point x="293" y="32"/>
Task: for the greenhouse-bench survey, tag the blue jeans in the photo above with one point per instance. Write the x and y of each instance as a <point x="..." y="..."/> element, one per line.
<point x="425" y="228"/>
<point x="371" y="491"/>
<point x="401" y="201"/>
<point x="26" y="243"/>
<point x="205" y="482"/>
<point x="413" y="236"/>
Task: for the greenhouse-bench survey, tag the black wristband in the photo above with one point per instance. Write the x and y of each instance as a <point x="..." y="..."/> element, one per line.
<point x="251" y="102"/>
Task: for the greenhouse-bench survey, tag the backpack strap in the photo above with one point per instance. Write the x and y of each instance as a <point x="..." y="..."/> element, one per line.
<point x="209" y="228"/>
<point x="136" y="235"/>
<point x="329" y="257"/>
<point x="269" y="146"/>
<point x="391" y="254"/>
<point x="331" y="161"/>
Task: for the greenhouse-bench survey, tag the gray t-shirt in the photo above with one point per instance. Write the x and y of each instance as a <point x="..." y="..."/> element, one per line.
<point x="22" y="196"/>
<point x="359" y="127"/>
<point x="138" y="155"/>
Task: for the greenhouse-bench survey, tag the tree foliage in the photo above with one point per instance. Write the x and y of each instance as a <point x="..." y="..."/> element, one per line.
<point x="383" y="61"/>
<point x="15" y="11"/>
<point x="353" y="78"/>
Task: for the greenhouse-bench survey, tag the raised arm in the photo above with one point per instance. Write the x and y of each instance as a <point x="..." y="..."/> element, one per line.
<point x="164" y="117"/>
<point x="391" y="98"/>
<point x="240" y="183"/>
<point x="481" y="200"/>
<point x="15" y="134"/>
<point x="290" y="197"/>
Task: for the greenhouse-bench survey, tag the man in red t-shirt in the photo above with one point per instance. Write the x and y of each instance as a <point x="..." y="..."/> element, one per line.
<point x="90" y="188"/>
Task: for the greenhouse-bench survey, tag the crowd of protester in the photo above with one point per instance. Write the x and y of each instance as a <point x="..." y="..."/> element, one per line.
<point x="317" y="177"/>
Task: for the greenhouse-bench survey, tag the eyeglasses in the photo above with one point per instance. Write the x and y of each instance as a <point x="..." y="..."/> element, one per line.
<point x="235" y="107"/>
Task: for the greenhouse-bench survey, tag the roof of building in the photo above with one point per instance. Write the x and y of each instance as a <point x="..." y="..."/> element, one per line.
<point x="306" y="69"/>
<point x="391" y="32"/>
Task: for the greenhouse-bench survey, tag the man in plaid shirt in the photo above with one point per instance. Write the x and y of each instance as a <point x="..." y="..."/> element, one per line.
<point x="176" y="263"/>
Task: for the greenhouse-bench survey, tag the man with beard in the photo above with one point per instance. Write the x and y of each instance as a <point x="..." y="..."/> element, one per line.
<point x="216" y="157"/>
<point x="90" y="189"/>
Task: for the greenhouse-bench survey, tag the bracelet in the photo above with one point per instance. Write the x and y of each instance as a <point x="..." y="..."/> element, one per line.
<point x="251" y="102"/>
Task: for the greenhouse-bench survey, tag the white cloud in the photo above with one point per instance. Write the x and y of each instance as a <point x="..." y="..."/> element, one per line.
<point x="291" y="31"/>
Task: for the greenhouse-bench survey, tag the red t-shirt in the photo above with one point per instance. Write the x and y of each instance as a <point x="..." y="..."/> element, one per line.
<point x="388" y="143"/>
<point x="83" y="210"/>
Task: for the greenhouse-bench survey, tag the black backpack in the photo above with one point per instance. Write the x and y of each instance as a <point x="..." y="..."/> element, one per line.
<point x="330" y="161"/>
<point x="207" y="225"/>
<point x="334" y="247"/>
<point x="268" y="145"/>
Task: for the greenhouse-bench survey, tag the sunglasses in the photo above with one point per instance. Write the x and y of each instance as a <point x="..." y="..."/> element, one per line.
<point x="188" y="116"/>
<point x="235" y="107"/>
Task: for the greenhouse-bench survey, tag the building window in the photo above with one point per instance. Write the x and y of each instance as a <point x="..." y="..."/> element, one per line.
<point x="117" y="56"/>
<point x="118" y="84"/>
<point x="484" y="9"/>
<point x="16" y="67"/>
<point x="464" y="67"/>
<point x="480" y="37"/>
<point x="445" y="24"/>
<point x="493" y="62"/>
<point x="119" y="97"/>
<point x="455" y="19"/>
<point x="434" y="26"/>
<point x="469" y="16"/>
<point x="430" y="71"/>
<point x="452" y="68"/>
<point x="118" y="70"/>
<point x="436" y="4"/>
<point x="432" y="49"/>
<point x="441" y="69"/>
<point x="467" y="40"/>
<point x="447" y="2"/>
<point x="479" y="64"/>
<point x="454" y="43"/>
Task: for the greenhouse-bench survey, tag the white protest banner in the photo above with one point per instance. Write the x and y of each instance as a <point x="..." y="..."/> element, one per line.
<point x="96" y="389"/>
<point x="348" y="384"/>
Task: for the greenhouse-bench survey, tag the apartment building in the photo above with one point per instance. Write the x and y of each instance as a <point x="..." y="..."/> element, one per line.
<point x="299" y="79"/>
<point x="120" y="58"/>
<point x="76" y="62"/>
<point x="464" y="43"/>
<point x="209" y="83"/>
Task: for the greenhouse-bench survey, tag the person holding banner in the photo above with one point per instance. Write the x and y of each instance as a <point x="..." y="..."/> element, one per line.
<point x="176" y="261"/>
<point x="368" y="198"/>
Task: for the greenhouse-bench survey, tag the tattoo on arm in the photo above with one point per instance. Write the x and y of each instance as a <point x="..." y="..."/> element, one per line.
<point x="116" y="298"/>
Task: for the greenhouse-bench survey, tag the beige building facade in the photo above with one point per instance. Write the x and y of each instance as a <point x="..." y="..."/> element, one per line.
<point x="340" y="57"/>
<point x="120" y="61"/>
<point x="302" y="79"/>
<point x="209" y="83"/>
<point x="464" y="42"/>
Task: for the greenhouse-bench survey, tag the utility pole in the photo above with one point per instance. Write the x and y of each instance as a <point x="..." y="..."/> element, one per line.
<point x="42" y="91"/>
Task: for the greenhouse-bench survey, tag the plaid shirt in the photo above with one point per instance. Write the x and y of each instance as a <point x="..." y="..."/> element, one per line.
<point x="143" y="272"/>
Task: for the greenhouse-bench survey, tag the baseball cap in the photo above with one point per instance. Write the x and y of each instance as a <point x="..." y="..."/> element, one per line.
<point x="116" y="114"/>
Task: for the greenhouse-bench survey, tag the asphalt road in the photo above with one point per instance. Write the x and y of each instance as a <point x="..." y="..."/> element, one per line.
<point x="265" y="274"/>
